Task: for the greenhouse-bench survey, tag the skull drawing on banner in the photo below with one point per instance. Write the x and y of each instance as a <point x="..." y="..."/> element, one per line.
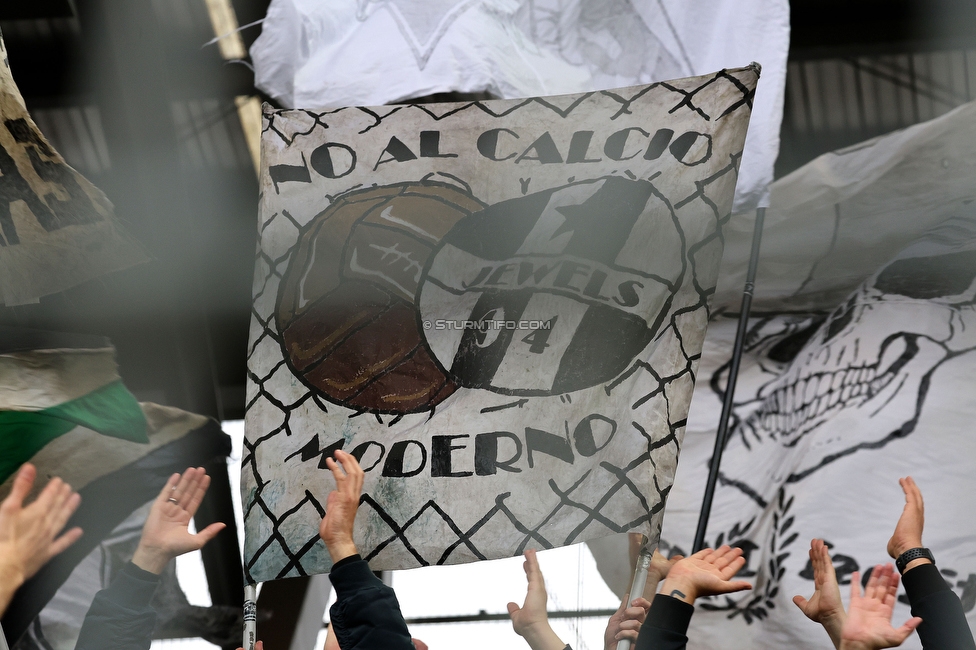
<point x="859" y="378"/>
<point x="817" y="388"/>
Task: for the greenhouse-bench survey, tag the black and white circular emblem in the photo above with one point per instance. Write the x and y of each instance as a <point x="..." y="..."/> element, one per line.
<point x="555" y="291"/>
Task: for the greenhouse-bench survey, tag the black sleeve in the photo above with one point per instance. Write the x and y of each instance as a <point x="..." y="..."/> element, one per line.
<point x="666" y="625"/>
<point x="366" y="614"/>
<point x="944" y="625"/>
<point x="120" y="617"/>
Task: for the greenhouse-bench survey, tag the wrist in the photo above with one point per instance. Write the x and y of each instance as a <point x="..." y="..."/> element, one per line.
<point x="151" y="559"/>
<point x="854" y="645"/>
<point x="911" y="558"/>
<point x="907" y="546"/>
<point x="914" y="563"/>
<point x="341" y="549"/>
<point x="12" y="574"/>
<point x="540" y="636"/>
<point x="833" y="624"/>
<point x="683" y="590"/>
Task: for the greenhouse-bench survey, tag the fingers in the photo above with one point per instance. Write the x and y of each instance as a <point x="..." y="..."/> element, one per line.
<point x="49" y="495"/>
<point x="800" y="602"/>
<point x="199" y="492"/>
<point x="728" y="561"/>
<point x="915" y="492"/>
<point x="22" y="485"/>
<point x="513" y="609"/>
<point x="826" y="560"/>
<point x="734" y="567"/>
<point x="643" y="603"/>
<point x="623" y="605"/>
<point x="913" y="495"/>
<point x="855" y="585"/>
<point x="720" y="557"/>
<point x="628" y="630"/>
<point x="700" y="555"/>
<point x="731" y="587"/>
<point x="65" y="510"/>
<point x="353" y="471"/>
<point x="167" y="490"/>
<point x="66" y="540"/>
<point x="532" y="571"/>
<point x="347" y="473"/>
<point x="186" y="486"/>
<point x="892" y="588"/>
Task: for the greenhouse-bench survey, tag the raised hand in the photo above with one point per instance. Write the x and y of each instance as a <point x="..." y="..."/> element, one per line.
<point x="166" y="533"/>
<point x="825" y="605"/>
<point x="531" y="620"/>
<point x="706" y="573"/>
<point x="908" y="531"/>
<point x="868" y="624"/>
<point x="340" y="508"/>
<point x="626" y="621"/>
<point x="30" y="535"/>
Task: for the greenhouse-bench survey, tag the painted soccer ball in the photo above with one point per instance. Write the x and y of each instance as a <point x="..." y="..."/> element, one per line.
<point x="346" y="310"/>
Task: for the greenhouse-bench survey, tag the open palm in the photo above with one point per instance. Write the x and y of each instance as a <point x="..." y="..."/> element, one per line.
<point x="868" y="622"/>
<point x="166" y="533"/>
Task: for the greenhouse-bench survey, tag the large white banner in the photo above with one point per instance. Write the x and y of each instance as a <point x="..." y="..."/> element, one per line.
<point x="326" y="54"/>
<point x="859" y="369"/>
<point x="497" y="306"/>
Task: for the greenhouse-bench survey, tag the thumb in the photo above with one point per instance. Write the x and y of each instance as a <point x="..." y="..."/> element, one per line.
<point x="513" y="609"/>
<point x="737" y="586"/>
<point x="623" y="603"/>
<point x="800" y="602"/>
<point x="208" y="533"/>
<point x="905" y="630"/>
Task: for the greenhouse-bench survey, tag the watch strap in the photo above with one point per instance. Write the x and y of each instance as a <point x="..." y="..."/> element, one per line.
<point x="911" y="555"/>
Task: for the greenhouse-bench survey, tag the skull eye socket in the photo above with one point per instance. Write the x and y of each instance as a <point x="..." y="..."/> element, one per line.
<point x="840" y="319"/>
<point x="925" y="278"/>
<point x="786" y="350"/>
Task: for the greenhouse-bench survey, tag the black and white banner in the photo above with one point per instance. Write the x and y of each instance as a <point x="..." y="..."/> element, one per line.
<point x="496" y="306"/>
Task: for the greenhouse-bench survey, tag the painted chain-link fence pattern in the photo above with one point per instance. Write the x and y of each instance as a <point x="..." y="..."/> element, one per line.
<point x="498" y="307"/>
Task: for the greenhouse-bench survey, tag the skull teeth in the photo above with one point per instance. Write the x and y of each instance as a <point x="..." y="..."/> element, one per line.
<point x="791" y="407"/>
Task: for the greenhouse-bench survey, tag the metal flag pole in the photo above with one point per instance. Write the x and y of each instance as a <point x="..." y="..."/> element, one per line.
<point x="250" y="616"/>
<point x="637" y="585"/>
<point x="723" y="421"/>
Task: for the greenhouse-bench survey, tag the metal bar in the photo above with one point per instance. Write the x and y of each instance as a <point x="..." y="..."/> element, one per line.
<point x="483" y="617"/>
<point x="637" y="586"/>
<point x="723" y="422"/>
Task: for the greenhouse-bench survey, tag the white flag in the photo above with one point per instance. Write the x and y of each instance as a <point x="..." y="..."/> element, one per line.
<point x="496" y="306"/>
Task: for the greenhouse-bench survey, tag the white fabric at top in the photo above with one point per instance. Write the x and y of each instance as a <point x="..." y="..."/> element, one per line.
<point x="314" y="54"/>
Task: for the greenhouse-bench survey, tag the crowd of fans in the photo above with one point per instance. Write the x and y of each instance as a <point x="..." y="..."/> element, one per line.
<point x="366" y="614"/>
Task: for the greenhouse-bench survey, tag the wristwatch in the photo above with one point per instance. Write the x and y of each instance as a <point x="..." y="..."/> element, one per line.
<point x="911" y="555"/>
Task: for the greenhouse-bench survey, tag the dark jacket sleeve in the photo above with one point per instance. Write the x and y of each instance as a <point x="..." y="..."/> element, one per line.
<point x="666" y="625"/>
<point x="366" y="614"/>
<point x="120" y="617"/>
<point x="944" y="625"/>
